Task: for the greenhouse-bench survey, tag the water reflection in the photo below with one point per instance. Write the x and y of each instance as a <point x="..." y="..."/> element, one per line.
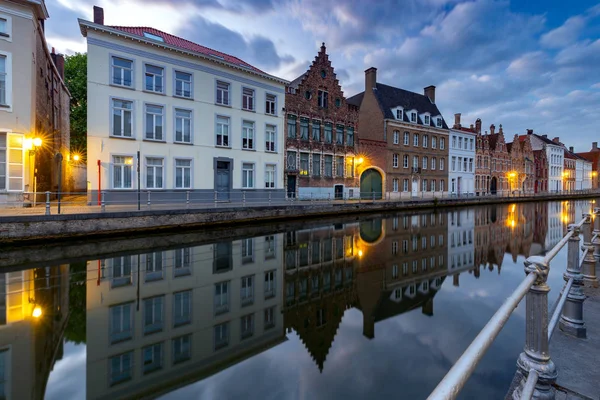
<point x="165" y="319"/>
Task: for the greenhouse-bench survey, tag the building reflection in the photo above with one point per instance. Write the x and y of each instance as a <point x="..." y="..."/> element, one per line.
<point x="33" y="316"/>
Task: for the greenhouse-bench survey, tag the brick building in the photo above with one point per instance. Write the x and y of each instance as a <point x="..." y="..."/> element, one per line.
<point x="320" y="134"/>
<point x="493" y="161"/>
<point x="403" y="141"/>
<point x="521" y="177"/>
<point x="570" y="161"/>
<point x="594" y="156"/>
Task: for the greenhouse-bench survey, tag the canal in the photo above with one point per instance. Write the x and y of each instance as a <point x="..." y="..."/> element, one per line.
<point x="358" y="307"/>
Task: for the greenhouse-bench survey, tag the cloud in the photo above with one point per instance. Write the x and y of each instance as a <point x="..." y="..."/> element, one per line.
<point x="564" y="35"/>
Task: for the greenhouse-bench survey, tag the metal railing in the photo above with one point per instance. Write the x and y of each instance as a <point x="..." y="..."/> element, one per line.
<point x="534" y="364"/>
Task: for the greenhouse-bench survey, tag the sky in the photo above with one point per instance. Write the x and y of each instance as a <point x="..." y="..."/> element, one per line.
<point x="530" y="64"/>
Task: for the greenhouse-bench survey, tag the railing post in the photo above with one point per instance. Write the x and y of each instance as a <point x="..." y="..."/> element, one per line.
<point x="244" y="198"/>
<point x="102" y="202"/>
<point x="536" y="354"/>
<point x="596" y="232"/>
<point x="187" y="199"/>
<point x="215" y="199"/>
<point x="47" y="203"/>
<point x="588" y="268"/>
<point x="571" y="320"/>
<point x="148" y="198"/>
<point x="269" y="198"/>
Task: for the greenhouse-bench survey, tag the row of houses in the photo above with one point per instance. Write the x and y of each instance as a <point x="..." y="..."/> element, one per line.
<point x="182" y="120"/>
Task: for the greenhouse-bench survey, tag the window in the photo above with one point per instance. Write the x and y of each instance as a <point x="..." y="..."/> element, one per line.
<point x="154" y="78"/>
<point x="442" y="188"/>
<point x="221" y="297"/>
<point x="322" y="98"/>
<point x="154" y="266"/>
<point x="316" y="164"/>
<point x="182" y="348"/>
<point x="303" y="163"/>
<point x="121" y="368"/>
<point x="396" y="137"/>
<point x="223" y="93"/>
<point x="248" y="99"/>
<point x="182" y="262"/>
<point x="154" y="173"/>
<point x="350" y="167"/>
<point x="426" y="118"/>
<point x="11" y="162"/>
<point x="304" y="128"/>
<point x="316" y="131"/>
<point x="425" y="162"/>
<point x="183" y="174"/>
<point x="470" y="165"/>
<point x="121" y="271"/>
<point x="122" y="72"/>
<point x="328" y="133"/>
<point x="248" y="135"/>
<point x="121" y="323"/>
<point x="183" y="126"/>
<point x="5" y="27"/>
<point x="405" y="185"/>
<point x="413" y="117"/>
<point x="270" y="176"/>
<point x="405" y="161"/>
<point x="439" y="122"/>
<point x="433" y="185"/>
<point x="416" y="139"/>
<point x="247" y="290"/>
<point x="349" y="136"/>
<point x="465" y="164"/>
<point x="425" y="141"/>
<point x="328" y="166"/>
<point x="223" y="131"/>
<point x="339" y="135"/>
<point x="394" y="247"/>
<point x="153" y="314"/>
<point x="122" y="172"/>
<point x="415" y="161"/>
<point x="269" y="317"/>
<point x="472" y="142"/>
<point x="424" y="185"/>
<point x="433" y="163"/>
<point x="271" y="104"/>
<point x="221" y="335"/>
<point x="442" y="143"/>
<point x="339" y="166"/>
<point x="453" y="167"/>
<point x="291" y="160"/>
<point x="269" y="287"/>
<point x="395" y="184"/>
<point x="398" y="114"/>
<point x="395" y="161"/>
<point x="182" y="308"/>
<point x="441" y="164"/>
<point x="122" y="121"/>
<point x="433" y="142"/>
<point x="247" y="326"/>
<point x="291" y="127"/>
<point x="154" y="122"/>
<point x="247" y="176"/>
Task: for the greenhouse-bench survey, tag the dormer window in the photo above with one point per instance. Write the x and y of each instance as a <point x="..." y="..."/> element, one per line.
<point x="439" y="122"/>
<point x="152" y="36"/>
<point x="413" y="117"/>
<point x="426" y="118"/>
<point x="399" y="114"/>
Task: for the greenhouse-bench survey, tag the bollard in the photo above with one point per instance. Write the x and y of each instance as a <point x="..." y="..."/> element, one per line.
<point x="571" y="320"/>
<point x="148" y="198"/>
<point x="47" y="203"/>
<point x="588" y="268"/>
<point x="187" y="199"/>
<point x="215" y="199"/>
<point x="536" y="355"/>
<point x="102" y="202"/>
<point x="269" y="198"/>
<point x="244" y="199"/>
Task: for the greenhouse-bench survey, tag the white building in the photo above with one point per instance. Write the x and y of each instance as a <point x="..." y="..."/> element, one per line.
<point x="555" y="156"/>
<point x="462" y="165"/>
<point x="189" y="117"/>
<point x="583" y="172"/>
<point x="461" y="246"/>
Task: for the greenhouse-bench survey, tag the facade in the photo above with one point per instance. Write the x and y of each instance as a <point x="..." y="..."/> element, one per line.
<point x="548" y="156"/>
<point x="594" y="171"/>
<point x="521" y="177"/>
<point x="461" y="244"/>
<point x="541" y="171"/>
<point x="173" y="117"/>
<point x="34" y="106"/>
<point x="321" y="129"/>
<point x="569" y="171"/>
<point x="403" y="141"/>
<point x="493" y="161"/>
<point x="462" y="159"/>
<point x="188" y="314"/>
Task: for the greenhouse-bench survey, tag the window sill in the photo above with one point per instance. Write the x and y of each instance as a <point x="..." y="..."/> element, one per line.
<point x="271" y="115"/>
<point x="121" y="137"/>
<point x="153" y="92"/>
<point x="122" y="86"/>
<point x="249" y="110"/>
<point x="5" y="106"/>
<point x="4" y="35"/>
<point x="223" y="105"/>
<point x="271" y="151"/>
<point x="184" y="143"/>
<point x="223" y="147"/>
<point x="183" y="97"/>
<point x="154" y="141"/>
<point x="248" y="149"/>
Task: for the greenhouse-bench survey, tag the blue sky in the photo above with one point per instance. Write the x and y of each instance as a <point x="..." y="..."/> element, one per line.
<point x="523" y="64"/>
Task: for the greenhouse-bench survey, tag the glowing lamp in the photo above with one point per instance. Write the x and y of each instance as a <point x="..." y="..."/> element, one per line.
<point x="37" y="142"/>
<point x="37" y="312"/>
<point x="360" y="253"/>
<point x="76" y="157"/>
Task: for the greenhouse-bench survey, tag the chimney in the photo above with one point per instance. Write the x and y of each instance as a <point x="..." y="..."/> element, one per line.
<point x="478" y="125"/>
<point x="594" y="146"/>
<point x="572" y="149"/>
<point x="370" y="78"/>
<point x="529" y="131"/>
<point x="59" y="63"/>
<point x="492" y="129"/>
<point x="427" y="308"/>
<point x="98" y="15"/>
<point x="429" y="91"/>
<point x="457" y="120"/>
<point x="545" y="136"/>
<point x="556" y="140"/>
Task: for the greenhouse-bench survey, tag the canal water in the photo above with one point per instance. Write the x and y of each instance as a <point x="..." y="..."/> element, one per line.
<point x="357" y="307"/>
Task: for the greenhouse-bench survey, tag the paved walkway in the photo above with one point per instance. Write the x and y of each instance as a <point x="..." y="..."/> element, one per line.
<point x="578" y="360"/>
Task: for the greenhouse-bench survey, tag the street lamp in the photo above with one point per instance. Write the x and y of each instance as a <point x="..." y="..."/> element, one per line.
<point x="37" y="312"/>
<point x="33" y="144"/>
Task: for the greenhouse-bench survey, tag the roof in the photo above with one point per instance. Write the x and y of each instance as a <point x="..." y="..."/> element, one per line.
<point x="390" y="97"/>
<point x="537" y="141"/>
<point x="177" y="43"/>
<point x="493" y="140"/>
<point x="296" y="82"/>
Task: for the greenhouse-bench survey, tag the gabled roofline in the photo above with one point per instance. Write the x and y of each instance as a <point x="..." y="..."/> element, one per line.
<point x="84" y="26"/>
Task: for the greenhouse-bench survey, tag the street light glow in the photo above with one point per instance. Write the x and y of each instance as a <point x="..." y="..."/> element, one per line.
<point x="37" y="312"/>
<point x="37" y="142"/>
<point x="76" y="157"/>
<point x="360" y="160"/>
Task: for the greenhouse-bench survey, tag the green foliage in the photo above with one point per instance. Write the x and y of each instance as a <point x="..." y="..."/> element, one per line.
<point x="76" y="81"/>
<point x="76" y="326"/>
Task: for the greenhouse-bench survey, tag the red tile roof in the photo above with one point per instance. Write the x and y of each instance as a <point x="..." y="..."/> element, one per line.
<point x="184" y="44"/>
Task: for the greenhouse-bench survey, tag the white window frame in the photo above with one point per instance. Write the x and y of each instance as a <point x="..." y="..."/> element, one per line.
<point x="112" y="171"/>
<point x="270" y="184"/>
<point x="433" y="161"/>
<point x="248" y="135"/>
<point x="399" y="114"/>
<point x="406" y="138"/>
<point x="249" y="98"/>
<point x="425" y="141"/>
<point x="191" y="126"/>
<point x="395" y="160"/>
<point x="246" y="177"/>
<point x="183" y="84"/>
<point x="415" y="140"/>
<point x="270" y="104"/>
<point x="323" y="98"/>
<point x="155" y="75"/>
<point x="396" y="137"/>
<point x="439" y="122"/>
<point x="13" y="163"/>
<point x="433" y="142"/>
<point x="228" y="125"/>
<point x="181" y="307"/>
<point x="111" y="111"/>
<point x="270" y="284"/>
<point x="156" y="168"/>
<point x="112" y="71"/>
<point x="413" y="117"/>
<point x="111" y="324"/>
<point x="442" y="143"/>
<point x="395" y="185"/>
<point x="405" y="161"/>
<point x="425" y="162"/>
<point x="223" y="91"/>
<point x="271" y="130"/>
<point x="8" y="34"/>
<point x="442" y="162"/>
<point x="154" y="119"/>
<point x="183" y="168"/>
<point x="426" y="119"/>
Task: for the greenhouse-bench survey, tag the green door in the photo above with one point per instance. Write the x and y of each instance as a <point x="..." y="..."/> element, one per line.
<point x="371" y="184"/>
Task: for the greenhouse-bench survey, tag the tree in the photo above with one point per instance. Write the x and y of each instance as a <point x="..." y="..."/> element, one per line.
<point x="76" y="81"/>
<point x="76" y="326"/>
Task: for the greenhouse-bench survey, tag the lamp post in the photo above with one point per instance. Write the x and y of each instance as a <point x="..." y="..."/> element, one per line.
<point x="59" y="158"/>
<point x="33" y="144"/>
